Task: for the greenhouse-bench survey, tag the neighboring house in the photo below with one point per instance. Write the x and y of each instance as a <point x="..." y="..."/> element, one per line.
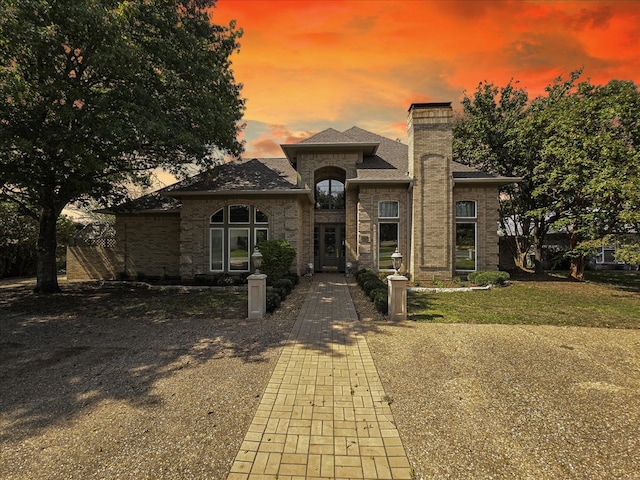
<point x="337" y="197"/>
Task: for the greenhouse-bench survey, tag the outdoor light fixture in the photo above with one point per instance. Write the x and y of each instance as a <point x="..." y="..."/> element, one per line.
<point x="256" y="258"/>
<point x="310" y="268"/>
<point x="396" y="257"/>
<point x="349" y="268"/>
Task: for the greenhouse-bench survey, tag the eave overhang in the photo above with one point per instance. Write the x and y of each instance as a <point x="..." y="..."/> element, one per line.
<point x="493" y="181"/>
<point x="385" y="181"/>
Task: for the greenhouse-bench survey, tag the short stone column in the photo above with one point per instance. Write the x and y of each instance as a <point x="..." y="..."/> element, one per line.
<point x="397" y="301"/>
<point x="257" y="290"/>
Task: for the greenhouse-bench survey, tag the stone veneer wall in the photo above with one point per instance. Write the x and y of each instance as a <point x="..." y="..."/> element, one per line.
<point x="486" y="199"/>
<point x="286" y="222"/>
<point x="148" y="244"/>
<point x="430" y="152"/>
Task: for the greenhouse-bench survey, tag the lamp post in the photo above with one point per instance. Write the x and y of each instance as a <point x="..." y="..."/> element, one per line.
<point x="257" y="287"/>
<point x="256" y="259"/>
<point x="397" y="293"/>
<point x="396" y="258"/>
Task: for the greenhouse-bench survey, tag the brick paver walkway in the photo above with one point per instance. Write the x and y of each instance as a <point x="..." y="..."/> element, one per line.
<point x="324" y="413"/>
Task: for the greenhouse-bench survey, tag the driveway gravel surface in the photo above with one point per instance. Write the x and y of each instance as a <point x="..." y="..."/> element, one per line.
<point x="136" y="399"/>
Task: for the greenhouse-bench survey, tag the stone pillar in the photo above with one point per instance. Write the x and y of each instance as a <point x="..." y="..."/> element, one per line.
<point x="257" y="295"/>
<point x="397" y="301"/>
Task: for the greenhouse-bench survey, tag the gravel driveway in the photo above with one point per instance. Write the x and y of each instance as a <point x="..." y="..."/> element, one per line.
<point x="512" y="402"/>
<point x="137" y="400"/>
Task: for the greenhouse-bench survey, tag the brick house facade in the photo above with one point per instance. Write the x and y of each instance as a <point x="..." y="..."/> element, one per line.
<point x="337" y="197"/>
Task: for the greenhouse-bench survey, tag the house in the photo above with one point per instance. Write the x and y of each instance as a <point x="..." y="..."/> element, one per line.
<point x="337" y="197"/>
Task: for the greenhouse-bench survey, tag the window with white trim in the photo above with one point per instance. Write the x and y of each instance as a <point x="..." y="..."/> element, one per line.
<point x="235" y="230"/>
<point x="388" y="209"/>
<point x="466" y="236"/>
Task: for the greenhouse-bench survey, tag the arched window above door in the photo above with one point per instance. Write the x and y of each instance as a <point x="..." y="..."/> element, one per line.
<point x="330" y="194"/>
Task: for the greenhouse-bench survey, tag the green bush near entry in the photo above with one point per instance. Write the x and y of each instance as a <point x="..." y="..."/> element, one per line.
<point x="489" y="278"/>
<point x="374" y="288"/>
<point x="277" y="258"/>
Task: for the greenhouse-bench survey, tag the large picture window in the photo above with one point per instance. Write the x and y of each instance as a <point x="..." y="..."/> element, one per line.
<point x="466" y="236"/>
<point x="234" y="231"/>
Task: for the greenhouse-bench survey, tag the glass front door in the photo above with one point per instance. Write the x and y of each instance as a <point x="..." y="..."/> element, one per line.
<point x="329" y="248"/>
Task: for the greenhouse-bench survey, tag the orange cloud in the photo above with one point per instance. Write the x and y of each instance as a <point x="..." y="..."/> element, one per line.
<point x="308" y="65"/>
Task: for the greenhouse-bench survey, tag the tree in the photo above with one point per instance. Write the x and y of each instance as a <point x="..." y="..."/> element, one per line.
<point x="486" y="136"/>
<point x="18" y="239"/>
<point x="97" y="93"/>
<point x="589" y="168"/>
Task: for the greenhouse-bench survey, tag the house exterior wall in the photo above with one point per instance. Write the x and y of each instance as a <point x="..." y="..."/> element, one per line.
<point x="148" y="244"/>
<point x="92" y="263"/>
<point x="286" y="222"/>
<point x="367" y="221"/>
<point x="308" y="163"/>
<point x="486" y="198"/>
<point x="430" y="152"/>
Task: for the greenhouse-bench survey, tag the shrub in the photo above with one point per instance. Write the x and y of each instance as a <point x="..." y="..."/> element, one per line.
<point x="273" y="299"/>
<point x="380" y="298"/>
<point x="489" y="278"/>
<point x="374" y="288"/>
<point x="277" y="257"/>
<point x="284" y="284"/>
<point x="295" y="279"/>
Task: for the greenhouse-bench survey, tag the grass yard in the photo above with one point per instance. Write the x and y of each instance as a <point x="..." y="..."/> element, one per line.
<point x="607" y="299"/>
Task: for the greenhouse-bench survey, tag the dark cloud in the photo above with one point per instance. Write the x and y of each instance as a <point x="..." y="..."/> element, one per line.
<point x="545" y="51"/>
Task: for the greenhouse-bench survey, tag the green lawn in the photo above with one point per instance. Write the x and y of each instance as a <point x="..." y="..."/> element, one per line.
<point x="608" y="299"/>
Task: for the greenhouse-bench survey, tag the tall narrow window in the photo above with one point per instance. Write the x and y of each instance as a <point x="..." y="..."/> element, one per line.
<point x="387" y="233"/>
<point x="217" y="249"/>
<point x="239" y="249"/>
<point x="387" y="244"/>
<point x="466" y="236"/>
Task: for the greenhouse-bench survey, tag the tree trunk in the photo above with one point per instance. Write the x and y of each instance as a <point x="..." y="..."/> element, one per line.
<point x="538" y="261"/>
<point x="47" y="272"/>
<point x="576" y="270"/>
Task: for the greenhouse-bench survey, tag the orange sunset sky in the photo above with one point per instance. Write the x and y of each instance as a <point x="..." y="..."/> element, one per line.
<point x="309" y="65"/>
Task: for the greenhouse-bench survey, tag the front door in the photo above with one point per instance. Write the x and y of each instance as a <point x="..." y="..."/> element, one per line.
<point x="328" y="247"/>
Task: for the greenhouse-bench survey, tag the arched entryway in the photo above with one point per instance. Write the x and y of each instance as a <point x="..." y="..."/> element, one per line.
<point x="329" y="224"/>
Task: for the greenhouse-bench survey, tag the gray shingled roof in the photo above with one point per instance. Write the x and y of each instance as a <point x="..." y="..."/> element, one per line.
<point x="274" y="174"/>
<point x="330" y="136"/>
<point x="387" y="164"/>
<point x="152" y="202"/>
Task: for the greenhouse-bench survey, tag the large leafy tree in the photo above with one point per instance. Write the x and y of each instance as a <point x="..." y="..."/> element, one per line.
<point x="576" y="148"/>
<point x="95" y="94"/>
<point x="589" y="168"/>
<point x="486" y="136"/>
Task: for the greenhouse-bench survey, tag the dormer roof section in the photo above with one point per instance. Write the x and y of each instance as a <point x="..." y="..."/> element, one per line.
<point x="329" y="140"/>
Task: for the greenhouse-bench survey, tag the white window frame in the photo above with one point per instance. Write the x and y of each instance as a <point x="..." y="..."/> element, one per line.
<point x="240" y="223"/>
<point x="221" y="230"/>
<point x="397" y="224"/>
<point x="248" y="230"/>
<point x="211" y="222"/>
<point x="255" y="216"/>
<point x="475" y="209"/>
<point x="472" y="220"/>
<point x="475" y="246"/>
<point x="255" y="234"/>
<point x="397" y="203"/>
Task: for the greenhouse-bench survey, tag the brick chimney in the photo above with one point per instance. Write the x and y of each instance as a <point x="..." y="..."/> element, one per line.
<point x="430" y="137"/>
